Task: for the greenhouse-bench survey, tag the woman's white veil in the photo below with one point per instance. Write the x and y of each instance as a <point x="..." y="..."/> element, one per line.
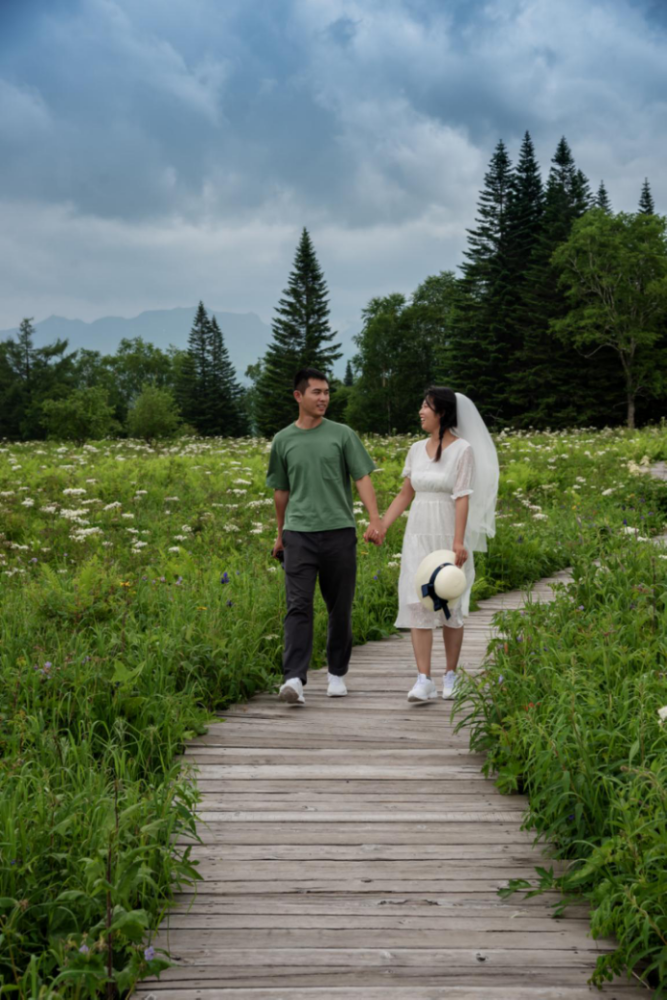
<point x="482" y="510"/>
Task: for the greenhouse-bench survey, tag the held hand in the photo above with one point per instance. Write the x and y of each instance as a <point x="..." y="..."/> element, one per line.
<point x="460" y="552"/>
<point x="278" y="547"/>
<point x="375" y="532"/>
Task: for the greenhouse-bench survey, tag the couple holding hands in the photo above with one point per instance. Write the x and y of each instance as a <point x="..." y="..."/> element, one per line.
<point x="450" y="485"/>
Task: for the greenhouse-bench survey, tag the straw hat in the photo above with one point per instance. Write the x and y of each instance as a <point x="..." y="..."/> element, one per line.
<point x="439" y="581"/>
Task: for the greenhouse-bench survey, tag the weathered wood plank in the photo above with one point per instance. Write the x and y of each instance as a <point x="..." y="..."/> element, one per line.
<point x="352" y="850"/>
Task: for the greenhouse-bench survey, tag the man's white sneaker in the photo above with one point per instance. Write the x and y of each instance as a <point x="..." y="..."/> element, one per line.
<point x="292" y="692"/>
<point x="449" y="684"/>
<point x="336" y="687"/>
<point x="423" y="689"/>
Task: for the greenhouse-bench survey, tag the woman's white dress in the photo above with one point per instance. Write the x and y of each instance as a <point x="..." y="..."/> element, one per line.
<point x="431" y="526"/>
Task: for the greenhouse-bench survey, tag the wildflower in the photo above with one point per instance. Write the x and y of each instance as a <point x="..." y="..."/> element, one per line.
<point x="225" y="577"/>
<point x="230" y="604"/>
<point x="662" y="714"/>
<point x="84" y="949"/>
<point x="174" y="548"/>
<point x="149" y="953"/>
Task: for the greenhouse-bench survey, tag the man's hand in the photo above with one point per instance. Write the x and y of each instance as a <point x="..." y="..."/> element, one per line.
<point x="461" y="553"/>
<point x="278" y="547"/>
<point x="375" y="532"/>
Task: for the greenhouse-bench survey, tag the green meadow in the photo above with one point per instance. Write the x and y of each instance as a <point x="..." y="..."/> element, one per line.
<point x="139" y="598"/>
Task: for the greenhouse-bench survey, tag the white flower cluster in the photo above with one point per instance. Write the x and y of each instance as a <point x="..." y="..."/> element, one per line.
<point x="75" y="492"/>
<point x="80" y="534"/>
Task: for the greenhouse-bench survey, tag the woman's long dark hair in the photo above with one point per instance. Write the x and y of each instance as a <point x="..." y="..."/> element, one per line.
<point x="442" y="401"/>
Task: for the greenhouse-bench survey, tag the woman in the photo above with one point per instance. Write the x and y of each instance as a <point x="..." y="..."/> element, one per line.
<point x="452" y="483"/>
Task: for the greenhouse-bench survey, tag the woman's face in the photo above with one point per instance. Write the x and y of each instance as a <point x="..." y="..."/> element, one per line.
<point x="430" y="421"/>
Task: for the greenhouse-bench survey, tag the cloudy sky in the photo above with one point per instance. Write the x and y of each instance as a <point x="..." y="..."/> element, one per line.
<point x="155" y="152"/>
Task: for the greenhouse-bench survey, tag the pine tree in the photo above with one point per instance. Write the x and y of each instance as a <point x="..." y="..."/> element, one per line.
<point x="602" y="199"/>
<point x="302" y="337"/>
<point x="478" y="354"/>
<point x="556" y="386"/>
<point x="227" y="413"/>
<point x="195" y="393"/>
<point x="349" y="375"/>
<point x="646" y="203"/>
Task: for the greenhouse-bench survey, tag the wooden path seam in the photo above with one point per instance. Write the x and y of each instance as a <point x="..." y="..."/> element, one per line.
<point x="352" y="849"/>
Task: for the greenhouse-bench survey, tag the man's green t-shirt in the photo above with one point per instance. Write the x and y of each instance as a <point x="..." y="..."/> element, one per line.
<point x="315" y="466"/>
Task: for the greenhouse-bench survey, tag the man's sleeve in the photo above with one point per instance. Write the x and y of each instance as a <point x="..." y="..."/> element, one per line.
<point x="359" y="462"/>
<point x="277" y="477"/>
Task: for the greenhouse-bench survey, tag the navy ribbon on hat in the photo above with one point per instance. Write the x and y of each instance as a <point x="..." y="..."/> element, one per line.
<point x="428" y="590"/>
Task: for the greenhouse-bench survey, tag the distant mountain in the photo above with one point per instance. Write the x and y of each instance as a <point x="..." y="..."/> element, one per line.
<point x="246" y="335"/>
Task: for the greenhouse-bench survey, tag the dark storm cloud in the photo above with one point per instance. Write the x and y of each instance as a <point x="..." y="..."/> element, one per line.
<point x="140" y="137"/>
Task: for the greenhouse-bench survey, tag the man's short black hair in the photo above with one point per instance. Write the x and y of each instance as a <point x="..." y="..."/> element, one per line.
<point x="303" y="376"/>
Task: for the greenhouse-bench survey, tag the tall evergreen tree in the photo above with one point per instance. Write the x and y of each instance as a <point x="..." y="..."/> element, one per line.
<point x="553" y="381"/>
<point x="602" y="199"/>
<point x="195" y="391"/>
<point x="302" y="337"/>
<point x="646" y="204"/>
<point x="478" y="355"/>
<point x="29" y="376"/>
<point x="349" y="375"/>
<point x="227" y="412"/>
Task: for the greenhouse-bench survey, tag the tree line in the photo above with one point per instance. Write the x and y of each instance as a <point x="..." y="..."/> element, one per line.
<point x="558" y="318"/>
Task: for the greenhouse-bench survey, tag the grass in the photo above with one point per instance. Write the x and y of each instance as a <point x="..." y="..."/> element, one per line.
<point x="138" y="599"/>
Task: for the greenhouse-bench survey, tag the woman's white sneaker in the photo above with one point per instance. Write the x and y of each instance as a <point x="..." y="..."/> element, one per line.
<point x="423" y="689"/>
<point x="449" y="684"/>
<point x="292" y="692"/>
<point x="336" y="687"/>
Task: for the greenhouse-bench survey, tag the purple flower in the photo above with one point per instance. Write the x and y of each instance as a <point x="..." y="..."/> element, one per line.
<point x="224" y="578"/>
<point x="149" y="953"/>
<point x="501" y="679"/>
<point x="375" y="577"/>
<point x="34" y="559"/>
<point x="163" y="579"/>
<point x="84" y="949"/>
<point x="230" y="604"/>
<point x="48" y="665"/>
<point x="580" y="608"/>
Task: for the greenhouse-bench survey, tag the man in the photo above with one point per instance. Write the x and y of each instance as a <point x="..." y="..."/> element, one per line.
<point x="310" y="467"/>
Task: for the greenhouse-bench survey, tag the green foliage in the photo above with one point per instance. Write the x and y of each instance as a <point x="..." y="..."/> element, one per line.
<point x="399" y="356"/>
<point x="614" y="270"/>
<point x="154" y="415"/>
<point x="646" y="203"/>
<point x="207" y="393"/>
<point x="83" y="415"/>
<point x="302" y="338"/>
<point x="567" y="711"/>
<point x="143" y="600"/>
<point x="28" y="377"/>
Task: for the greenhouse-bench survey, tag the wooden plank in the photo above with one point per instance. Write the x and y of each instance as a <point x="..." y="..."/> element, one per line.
<point x="353" y="849"/>
<point x="386" y="992"/>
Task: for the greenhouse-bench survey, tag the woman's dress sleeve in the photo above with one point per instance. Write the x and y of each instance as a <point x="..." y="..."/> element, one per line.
<point x="465" y="474"/>
<point x="407" y="467"/>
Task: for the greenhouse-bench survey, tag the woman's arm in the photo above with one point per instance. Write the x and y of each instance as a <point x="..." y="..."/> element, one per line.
<point x="399" y="504"/>
<point x="461" y="519"/>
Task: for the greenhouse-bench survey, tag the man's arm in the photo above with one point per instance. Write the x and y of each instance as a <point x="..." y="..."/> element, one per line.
<point x="367" y="496"/>
<point x="280" y="499"/>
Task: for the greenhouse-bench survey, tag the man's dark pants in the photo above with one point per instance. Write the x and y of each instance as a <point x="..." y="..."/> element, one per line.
<point x="331" y="555"/>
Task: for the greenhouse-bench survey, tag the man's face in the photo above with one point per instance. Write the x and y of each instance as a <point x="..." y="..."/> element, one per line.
<point x="315" y="399"/>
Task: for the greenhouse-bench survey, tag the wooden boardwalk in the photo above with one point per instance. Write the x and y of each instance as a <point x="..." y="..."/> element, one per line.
<point x="352" y="849"/>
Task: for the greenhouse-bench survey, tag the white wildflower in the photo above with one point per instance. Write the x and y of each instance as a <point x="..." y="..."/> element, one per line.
<point x="662" y="714"/>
